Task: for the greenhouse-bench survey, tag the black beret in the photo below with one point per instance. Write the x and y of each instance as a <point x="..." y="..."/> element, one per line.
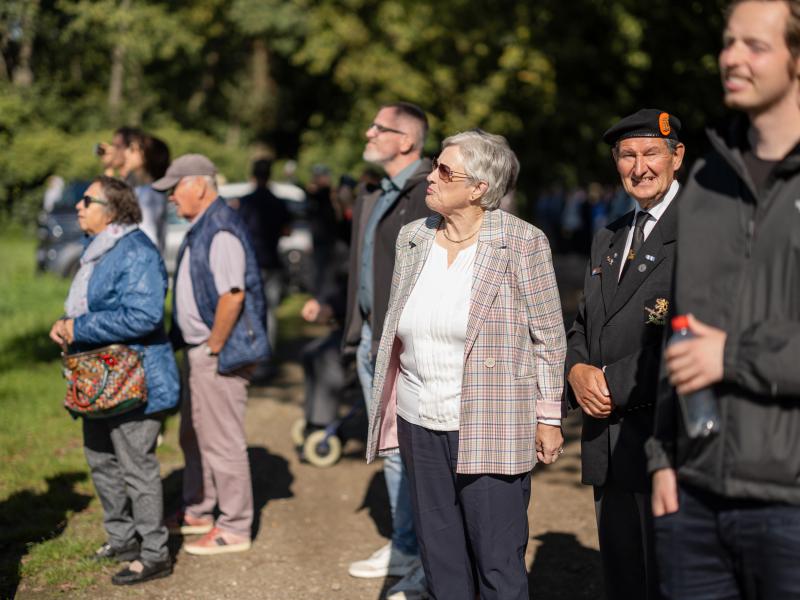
<point x="648" y="122"/>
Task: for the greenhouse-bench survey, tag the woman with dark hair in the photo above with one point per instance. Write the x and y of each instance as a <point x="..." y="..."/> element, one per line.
<point x="117" y="297"/>
<point x="147" y="159"/>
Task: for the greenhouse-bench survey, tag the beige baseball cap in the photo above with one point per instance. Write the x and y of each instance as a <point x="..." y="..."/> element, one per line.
<point x="188" y="165"/>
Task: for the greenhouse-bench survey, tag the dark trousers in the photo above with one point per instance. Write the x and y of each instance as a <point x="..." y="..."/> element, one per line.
<point x="716" y="548"/>
<point x="472" y="529"/>
<point x="324" y="378"/>
<point x="627" y="548"/>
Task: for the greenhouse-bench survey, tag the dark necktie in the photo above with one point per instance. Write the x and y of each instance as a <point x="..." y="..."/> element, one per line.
<point x="638" y="240"/>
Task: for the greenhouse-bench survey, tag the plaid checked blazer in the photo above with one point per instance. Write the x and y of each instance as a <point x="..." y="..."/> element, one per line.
<point x="514" y="351"/>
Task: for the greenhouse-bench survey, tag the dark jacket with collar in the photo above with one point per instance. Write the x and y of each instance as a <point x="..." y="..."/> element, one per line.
<point x="738" y="269"/>
<point x="247" y="342"/>
<point x="409" y="206"/>
<point x="620" y="328"/>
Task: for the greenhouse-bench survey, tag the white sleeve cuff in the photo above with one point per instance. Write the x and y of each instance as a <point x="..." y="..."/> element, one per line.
<point x="553" y="422"/>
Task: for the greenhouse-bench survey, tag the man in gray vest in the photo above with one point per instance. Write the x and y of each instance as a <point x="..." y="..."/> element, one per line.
<point x="219" y="317"/>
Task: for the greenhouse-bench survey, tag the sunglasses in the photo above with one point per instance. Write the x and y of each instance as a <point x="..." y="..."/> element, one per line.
<point x="447" y="174"/>
<point x="383" y="129"/>
<point x="87" y="200"/>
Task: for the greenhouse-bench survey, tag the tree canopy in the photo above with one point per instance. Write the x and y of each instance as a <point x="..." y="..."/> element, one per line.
<point x="302" y="79"/>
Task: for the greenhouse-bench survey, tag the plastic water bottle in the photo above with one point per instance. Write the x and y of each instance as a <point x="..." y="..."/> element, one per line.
<point x="700" y="413"/>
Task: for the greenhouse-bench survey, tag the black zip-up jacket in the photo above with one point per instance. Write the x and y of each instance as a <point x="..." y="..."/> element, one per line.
<point x="738" y="269"/>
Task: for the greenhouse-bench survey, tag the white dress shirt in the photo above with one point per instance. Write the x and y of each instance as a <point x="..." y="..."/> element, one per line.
<point x="655" y="214"/>
<point x="433" y="330"/>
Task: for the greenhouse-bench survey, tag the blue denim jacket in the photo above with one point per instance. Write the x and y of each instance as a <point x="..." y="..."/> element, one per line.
<point x="126" y="306"/>
<point x="247" y="343"/>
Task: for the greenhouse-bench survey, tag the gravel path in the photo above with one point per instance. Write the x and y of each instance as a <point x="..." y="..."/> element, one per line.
<point x="314" y="522"/>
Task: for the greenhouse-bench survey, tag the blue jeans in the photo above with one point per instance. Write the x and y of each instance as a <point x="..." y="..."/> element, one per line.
<point x="403" y="536"/>
<point x="716" y="548"/>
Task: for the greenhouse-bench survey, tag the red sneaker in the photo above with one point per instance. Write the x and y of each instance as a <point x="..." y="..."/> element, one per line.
<point x="181" y="523"/>
<point x="217" y="542"/>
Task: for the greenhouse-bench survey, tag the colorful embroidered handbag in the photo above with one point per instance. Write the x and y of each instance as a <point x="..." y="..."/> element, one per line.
<point x="104" y="382"/>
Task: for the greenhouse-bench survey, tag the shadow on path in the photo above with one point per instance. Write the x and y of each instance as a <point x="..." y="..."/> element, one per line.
<point x="564" y="569"/>
<point x="271" y="479"/>
<point x="376" y="502"/>
<point x="28" y="517"/>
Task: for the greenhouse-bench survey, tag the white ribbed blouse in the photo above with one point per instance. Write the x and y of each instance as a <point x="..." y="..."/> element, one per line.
<point x="433" y="330"/>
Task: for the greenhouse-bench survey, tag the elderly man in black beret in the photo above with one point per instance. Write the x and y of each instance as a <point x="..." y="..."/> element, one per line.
<point x="614" y="347"/>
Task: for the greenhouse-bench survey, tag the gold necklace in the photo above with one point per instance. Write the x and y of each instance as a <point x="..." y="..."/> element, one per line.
<point x="461" y="241"/>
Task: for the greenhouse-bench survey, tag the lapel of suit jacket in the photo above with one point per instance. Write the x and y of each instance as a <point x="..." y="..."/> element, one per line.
<point x="491" y="260"/>
<point x="419" y="245"/>
<point x="610" y="263"/>
<point x="641" y="267"/>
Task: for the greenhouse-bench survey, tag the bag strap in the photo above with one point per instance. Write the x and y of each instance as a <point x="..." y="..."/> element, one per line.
<point x="73" y="389"/>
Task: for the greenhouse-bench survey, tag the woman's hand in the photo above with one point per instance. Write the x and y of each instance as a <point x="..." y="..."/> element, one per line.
<point x="63" y="331"/>
<point x="549" y="443"/>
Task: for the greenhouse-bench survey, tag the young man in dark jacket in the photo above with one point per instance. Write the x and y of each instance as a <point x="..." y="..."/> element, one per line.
<point x="727" y="506"/>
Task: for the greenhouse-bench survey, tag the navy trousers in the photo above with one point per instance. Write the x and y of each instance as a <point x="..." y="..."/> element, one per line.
<point x="716" y="548"/>
<point x="472" y="529"/>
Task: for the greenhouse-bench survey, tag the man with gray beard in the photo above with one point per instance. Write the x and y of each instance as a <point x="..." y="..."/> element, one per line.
<point x="395" y="141"/>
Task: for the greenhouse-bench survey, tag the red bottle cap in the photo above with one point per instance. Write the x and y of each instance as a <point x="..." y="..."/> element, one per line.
<point x="680" y="322"/>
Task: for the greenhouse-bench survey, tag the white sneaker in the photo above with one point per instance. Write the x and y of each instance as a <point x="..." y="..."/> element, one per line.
<point x="385" y="562"/>
<point x="410" y="587"/>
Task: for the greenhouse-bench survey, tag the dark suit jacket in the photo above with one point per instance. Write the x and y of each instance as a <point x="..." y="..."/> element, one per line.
<point x="615" y="330"/>
<point x="409" y="206"/>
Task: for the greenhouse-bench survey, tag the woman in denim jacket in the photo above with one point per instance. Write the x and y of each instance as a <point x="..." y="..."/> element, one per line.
<point x="117" y="296"/>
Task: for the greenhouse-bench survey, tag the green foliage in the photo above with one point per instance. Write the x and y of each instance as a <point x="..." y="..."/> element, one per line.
<point x="303" y="78"/>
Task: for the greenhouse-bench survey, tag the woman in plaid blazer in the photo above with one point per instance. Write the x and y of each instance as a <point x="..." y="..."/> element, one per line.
<point x="469" y="372"/>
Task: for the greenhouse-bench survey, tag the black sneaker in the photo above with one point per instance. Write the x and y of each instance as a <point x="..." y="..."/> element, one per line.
<point x="127" y="552"/>
<point x="140" y="571"/>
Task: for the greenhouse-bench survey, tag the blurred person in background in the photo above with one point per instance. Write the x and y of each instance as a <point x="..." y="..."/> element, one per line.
<point x="468" y="381"/>
<point x="117" y="297"/>
<point x="323" y="220"/>
<point x="146" y="159"/>
<point x="267" y="219"/>
<point x="112" y="154"/>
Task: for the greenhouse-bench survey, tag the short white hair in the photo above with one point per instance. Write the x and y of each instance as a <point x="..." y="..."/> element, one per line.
<point x="210" y="181"/>
<point x="487" y="157"/>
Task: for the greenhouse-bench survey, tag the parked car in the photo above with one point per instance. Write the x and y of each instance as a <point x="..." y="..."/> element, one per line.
<point x="294" y="249"/>
<point x="61" y="241"/>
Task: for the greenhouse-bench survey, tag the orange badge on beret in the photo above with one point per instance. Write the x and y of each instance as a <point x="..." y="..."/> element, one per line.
<point x="663" y="123"/>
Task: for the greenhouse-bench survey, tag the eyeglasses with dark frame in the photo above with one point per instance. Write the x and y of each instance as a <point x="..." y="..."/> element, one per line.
<point x="87" y="200"/>
<point x="384" y="129"/>
<point x="447" y="174"/>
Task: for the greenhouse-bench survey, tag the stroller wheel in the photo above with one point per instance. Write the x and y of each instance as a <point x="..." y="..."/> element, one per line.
<point x="298" y="432"/>
<point x="321" y="452"/>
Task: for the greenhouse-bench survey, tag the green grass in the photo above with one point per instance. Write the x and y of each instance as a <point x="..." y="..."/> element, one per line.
<point x="44" y="480"/>
<point x="50" y="517"/>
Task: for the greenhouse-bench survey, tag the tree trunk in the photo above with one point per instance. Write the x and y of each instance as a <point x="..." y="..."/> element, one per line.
<point x="117" y="79"/>
<point x="23" y="74"/>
